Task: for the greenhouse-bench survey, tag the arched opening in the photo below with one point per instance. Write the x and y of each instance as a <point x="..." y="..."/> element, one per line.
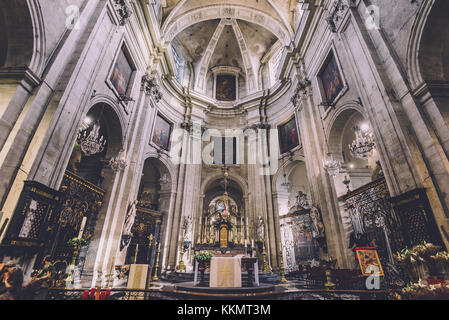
<point x="87" y="163"/>
<point x="433" y="57"/>
<point x="358" y="168"/>
<point x="146" y="219"/>
<point x="222" y="223"/>
<point x="302" y="231"/>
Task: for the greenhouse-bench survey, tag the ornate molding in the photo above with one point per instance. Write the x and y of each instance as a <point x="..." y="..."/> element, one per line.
<point x="123" y="10"/>
<point x="303" y="91"/>
<point x="337" y="13"/>
<point x="151" y="87"/>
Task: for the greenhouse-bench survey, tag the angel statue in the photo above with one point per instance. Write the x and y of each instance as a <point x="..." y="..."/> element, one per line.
<point x="261" y="229"/>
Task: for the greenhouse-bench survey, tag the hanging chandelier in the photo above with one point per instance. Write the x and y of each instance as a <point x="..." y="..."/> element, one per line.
<point x="91" y="143"/>
<point x="286" y="184"/>
<point x="118" y="163"/>
<point x="332" y="166"/>
<point x="363" y="145"/>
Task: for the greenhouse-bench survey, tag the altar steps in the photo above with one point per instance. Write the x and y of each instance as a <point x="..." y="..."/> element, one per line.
<point x="178" y="277"/>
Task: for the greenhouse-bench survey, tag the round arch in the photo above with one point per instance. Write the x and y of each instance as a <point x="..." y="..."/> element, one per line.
<point x="22" y="35"/>
<point x="337" y="125"/>
<point x="232" y="176"/>
<point x="172" y="28"/>
<point x="428" y="47"/>
<point x="165" y="164"/>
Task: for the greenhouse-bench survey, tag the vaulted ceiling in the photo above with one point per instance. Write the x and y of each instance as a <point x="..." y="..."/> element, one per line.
<point x="232" y="33"/>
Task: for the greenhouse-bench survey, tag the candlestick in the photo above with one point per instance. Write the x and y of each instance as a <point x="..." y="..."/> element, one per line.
<point x="83" y="225"/>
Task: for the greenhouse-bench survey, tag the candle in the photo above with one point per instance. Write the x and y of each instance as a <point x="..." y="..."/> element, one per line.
<point x="83" y="225"/>
<point x="252" y="243"/>
<point x="246" y="245"/>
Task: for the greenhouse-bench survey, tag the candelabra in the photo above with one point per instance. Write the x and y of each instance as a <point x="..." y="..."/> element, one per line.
<point x="283" y="280"/>
<point x="156" y="266"/>
<point x="91" y="143"/>
<point x="181" y="266"/>
<point x="266" y="267"/>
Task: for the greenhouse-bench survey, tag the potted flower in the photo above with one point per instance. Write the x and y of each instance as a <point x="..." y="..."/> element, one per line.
<point x="203" y="258"/>
<point x="412" y="263"/>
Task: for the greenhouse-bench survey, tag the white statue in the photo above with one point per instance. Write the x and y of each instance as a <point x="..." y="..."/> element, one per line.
<point x="261" y="229"/>
<point x="318" y="226"/>
<point x="130" y="218"/>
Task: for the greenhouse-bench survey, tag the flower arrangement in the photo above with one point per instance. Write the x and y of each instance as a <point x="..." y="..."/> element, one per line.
<point x="441" y="256"/>
<point x="407" y="257"/>
<point x="419" y="291"/>
<point x="202" y="256"/>
<point x="425" y="250"/>
<point x="75" y="242"/>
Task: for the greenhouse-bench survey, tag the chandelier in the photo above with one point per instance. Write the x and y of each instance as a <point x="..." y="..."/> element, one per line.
<point x="332" y="166"/>
<point x="118" y="163"/>
<point x="91" y="143"/>
<point x="363" y="145"/>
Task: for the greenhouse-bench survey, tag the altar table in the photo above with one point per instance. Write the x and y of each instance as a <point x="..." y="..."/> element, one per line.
<point x="226" y="272"/>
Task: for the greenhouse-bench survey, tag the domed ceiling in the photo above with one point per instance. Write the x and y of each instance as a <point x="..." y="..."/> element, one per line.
<point x="233" y="33"/>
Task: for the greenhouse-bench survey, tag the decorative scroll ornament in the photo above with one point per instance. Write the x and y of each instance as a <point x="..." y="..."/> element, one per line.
<point x="363" y="146"/>
<point x="337" y="13"/>
<point x="91" y="143"/>
<point x="151" y="87"/>
<point x="332" y="166"/>
<point x="118" y="163"/>
<point x="124" y="11"/>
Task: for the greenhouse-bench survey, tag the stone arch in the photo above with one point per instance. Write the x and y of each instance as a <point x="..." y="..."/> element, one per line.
<point x="22" y="35"/>
<point x="337" y="125"/>
<point x="115" y="114"/>
<point x="166" y="164"/>
<point x="428" y="48"/>
<point x="232" y="176"/>
<point x="176" y="25"/>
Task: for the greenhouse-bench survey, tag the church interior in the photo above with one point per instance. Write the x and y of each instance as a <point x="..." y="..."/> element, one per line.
<point x="192" y="149"/>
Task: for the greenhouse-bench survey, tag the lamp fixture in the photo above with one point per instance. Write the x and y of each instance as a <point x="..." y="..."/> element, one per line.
<point x="363" y="145"/>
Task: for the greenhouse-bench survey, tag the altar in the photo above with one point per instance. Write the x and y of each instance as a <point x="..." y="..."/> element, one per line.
<point x="226" y="272"/>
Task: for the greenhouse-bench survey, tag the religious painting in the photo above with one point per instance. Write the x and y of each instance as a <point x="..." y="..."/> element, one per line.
<point x="288" y="136"/>
<point x="226" y="88"/>
<point x="332" y="80"/>
<point x="162" y="132"/>
<point x="369" y="261"/>
<point x="121" y="73"/>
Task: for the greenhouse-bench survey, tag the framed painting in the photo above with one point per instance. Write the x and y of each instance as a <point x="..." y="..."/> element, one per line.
<point x="369" y="261"/>
<point x="288" y="136"/>
<point x="226" y="88"/>
<point x="162" y="133"/>
<point x="121" y="73"/>
<point x="332" y="80"/>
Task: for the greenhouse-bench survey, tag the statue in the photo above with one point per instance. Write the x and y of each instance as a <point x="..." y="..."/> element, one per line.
<point x="301" y="201"/>
<point x="261" y="229"/>
<point x="130" y="218"/>
<point x="317" y="222"/>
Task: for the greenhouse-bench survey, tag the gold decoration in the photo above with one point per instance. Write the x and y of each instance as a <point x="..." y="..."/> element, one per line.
<point x="156" y="278"/>
<point x="266" y="267"/>
<point x="181" y="266"/>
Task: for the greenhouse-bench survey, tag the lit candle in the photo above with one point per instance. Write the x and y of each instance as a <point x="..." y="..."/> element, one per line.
<point x="83" y="225"/>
